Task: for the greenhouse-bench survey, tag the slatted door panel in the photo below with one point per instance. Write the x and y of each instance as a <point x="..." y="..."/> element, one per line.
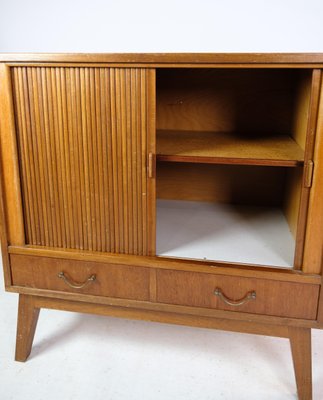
<point x="83" y="137"/>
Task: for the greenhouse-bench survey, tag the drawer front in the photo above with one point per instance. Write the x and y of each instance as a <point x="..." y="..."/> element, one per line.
<point x="258" y="296"/>
<point x="92" y="278"/>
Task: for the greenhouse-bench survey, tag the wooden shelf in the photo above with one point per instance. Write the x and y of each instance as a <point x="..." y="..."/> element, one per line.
<point x="228" y="148"/>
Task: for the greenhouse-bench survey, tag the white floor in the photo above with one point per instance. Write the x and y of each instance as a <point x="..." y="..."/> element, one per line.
<point x="85" y="357"/>
<point x="223" y="232"/>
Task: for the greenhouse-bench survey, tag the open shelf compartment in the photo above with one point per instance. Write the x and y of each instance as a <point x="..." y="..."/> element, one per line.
<point x="233" y="116"/>
<point x="231" y="213"/>
<point x="226" y="142"/>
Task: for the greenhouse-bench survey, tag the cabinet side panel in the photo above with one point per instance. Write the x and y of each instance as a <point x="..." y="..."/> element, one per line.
<point x="82" y="141"/>
<point x="9" y="163"/>
<point x="313" y="250"/>
<point x="4" y="240"/>
<point x="300" y="206"/>
<point x="305" y="97"/>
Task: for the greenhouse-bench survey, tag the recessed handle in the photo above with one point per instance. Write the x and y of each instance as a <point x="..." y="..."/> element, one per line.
<point x="73" y="284"/>
<point x="151" y="165"/>
<point x="235" y="303"/>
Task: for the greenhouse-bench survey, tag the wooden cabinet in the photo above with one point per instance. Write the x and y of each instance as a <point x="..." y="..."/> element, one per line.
<point x="174" y="188"/>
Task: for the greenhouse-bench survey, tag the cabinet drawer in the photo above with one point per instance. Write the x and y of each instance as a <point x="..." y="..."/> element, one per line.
<point x="259" y="296"/>
<point x="92" y="278"/>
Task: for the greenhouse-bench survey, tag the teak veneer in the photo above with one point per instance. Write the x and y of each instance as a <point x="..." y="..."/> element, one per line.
<point x="88" y="142"/>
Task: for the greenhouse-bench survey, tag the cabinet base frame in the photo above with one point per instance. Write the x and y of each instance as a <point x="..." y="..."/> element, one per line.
<point x="300" y="338"/>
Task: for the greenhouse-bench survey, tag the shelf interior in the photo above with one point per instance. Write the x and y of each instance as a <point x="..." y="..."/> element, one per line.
<point x="228" y="116"/>
<point x="228" y="147"/>
<point x="226" y="139"/>
<point x="224" y="232"/>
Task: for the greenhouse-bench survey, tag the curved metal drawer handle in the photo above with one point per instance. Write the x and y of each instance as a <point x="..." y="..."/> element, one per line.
<point x="75" y="285"/>
<point x="235" y="303"/>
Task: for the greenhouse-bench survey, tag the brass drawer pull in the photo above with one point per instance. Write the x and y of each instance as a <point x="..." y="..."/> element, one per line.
<point x="75" y="285"/>
<point x="235" y="303"/>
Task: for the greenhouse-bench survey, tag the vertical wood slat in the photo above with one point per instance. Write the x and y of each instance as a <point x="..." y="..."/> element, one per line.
<point x="28" y="153"/>
<point x="64" y="166"/>
<point x="35" y="166"/>
<point x="114" y="158"/>
<point x="84" y="171"/>
<point x="139" y="163"/>
<point x="129" y="157"/>
<point x="119" y="160"/>
<point x="108" y="170"/>
<point x="71" y="134"/>
<point x="151" y="149"/>
<point x="52" y="146"/>
<point x="58" y="153"/>
<point x="49" y="160"/>
<point x="95" y="161"/>
<point x="124" y="158"/>
<point x="84" y="134"/>
<point x="30" y="232"/>
<point x="100" y="160"/>
<point x="134" y="175"/>
<point x="76" y="167"/>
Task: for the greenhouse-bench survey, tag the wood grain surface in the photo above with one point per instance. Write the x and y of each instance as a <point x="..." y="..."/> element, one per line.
<point x="83" y="141"/>
<point x="235" y="184"/>
<point x="290" y="59"/>
<point x="273" y="298"/>
<point x="228" y="148"/>
<point x="9" y="162"/>
<point x="122" y="281"/>
<point x="313" y="251"/>
<point x="244" y="101"/>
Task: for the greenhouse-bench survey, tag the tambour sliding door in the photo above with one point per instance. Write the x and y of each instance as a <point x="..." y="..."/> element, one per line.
<point x="84" y="138"/>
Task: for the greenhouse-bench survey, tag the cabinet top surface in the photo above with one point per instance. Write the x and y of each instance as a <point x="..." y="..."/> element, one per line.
<point x="170" y="58"/>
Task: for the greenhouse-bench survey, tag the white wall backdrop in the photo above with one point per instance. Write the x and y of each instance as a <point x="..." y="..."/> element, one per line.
<point x="161" y="26"/>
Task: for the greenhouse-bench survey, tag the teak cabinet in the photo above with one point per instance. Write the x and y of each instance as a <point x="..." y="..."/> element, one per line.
<point x="178" y="188"/>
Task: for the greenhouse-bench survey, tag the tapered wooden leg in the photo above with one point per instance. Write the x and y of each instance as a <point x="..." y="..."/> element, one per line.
<point x="300" y="341"/>
<point x="26" y="326"/>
